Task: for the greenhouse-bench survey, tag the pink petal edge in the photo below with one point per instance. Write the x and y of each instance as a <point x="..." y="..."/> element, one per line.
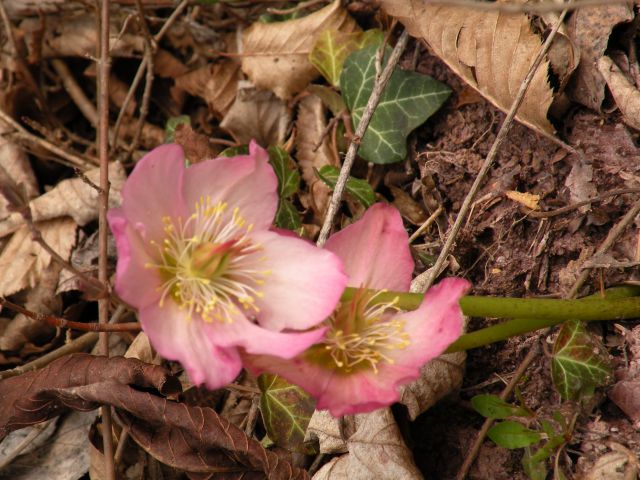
<point x="375" y="250"/>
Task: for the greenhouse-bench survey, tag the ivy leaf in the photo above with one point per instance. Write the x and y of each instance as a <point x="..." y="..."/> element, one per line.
<point x="513" y="435"/>
<point x="580" y="362"/>
<point x="287" y="173"/>
<point x="286" y="411"/>
<point x="234" y="151"/>
<point x="333" y="47"/>
<point x="358" y="188"/>
<point x="172" y="124"/>
<point x="407" y="101"/>
<point x="287" y="215"/>
<point x="492" y="406"/>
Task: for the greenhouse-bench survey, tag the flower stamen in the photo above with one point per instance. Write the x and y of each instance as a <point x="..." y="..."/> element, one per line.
<point x="207" y="263"/>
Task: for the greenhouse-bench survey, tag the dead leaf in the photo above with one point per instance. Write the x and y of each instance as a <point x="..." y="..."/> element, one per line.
<point x="580" y="183"/>
<point x="614" y="466"/>
<point x="216" y="84"/>
<point x="491" y="51"/>
<point x="189" y="438"/>
<point x="276" y="55"/>
<point x="257" y="114"/>
<point x="15" y="166"/>
<point x="196" y="146"/>
<point x="529" y="200"/>
<point x="141" y="349"/>
<point x="438" y="378"/>
<point x="73" y="35"/>
<point x="41" y="299"/>
<point x="332" y="99"/>
<point x="73" y="197"/>
<point x="408" y="207"/>
<point x="376" y="450"/>
<point x="564" y="55"/>
<point x="310" y="127"/>
<point x="23" y="261"/>
<point x="624" y="92"/>
<point x="64" y="456"/>
<point x="324" y="428"/>
<point x="590" y="29"/>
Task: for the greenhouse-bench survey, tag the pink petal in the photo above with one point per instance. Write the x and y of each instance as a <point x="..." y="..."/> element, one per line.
<point x="435" y="324"/>
<point x="257" y="340"/>
<point x="304" y="283"/>
<point x="375" y="250"/>
<point x="245" y="181"/>
<point x="176" y="338"/>
<point x="341" y="394"/>
<point x="153" y="191"/>
<point x="135" y="284"/>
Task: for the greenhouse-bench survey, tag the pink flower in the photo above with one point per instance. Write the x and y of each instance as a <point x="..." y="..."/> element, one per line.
<point x="208" y="277"/>
<point x="372" y="348"/>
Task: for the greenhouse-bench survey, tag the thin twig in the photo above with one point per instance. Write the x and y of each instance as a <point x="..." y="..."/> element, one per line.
<point x="141" y="70"/>
<point x="573" y="206"/>
<point x="425" y="280"/>
<point x="367" y="114"/>
<point x="35" y="432"/>
<point x="614" y="233"/>
<point x="60" y="322"/>
<point x="150" y="47"/>
<point x="75" y="92"/>
<point x="482" y="433"/>
<point x="83" y="342"/>
<point x="27" y="136"/>
<point x="297" y="8"/>
<point x="102" y="138"/>
<point x="425" y="225"/>
<point x="516" y="7"/>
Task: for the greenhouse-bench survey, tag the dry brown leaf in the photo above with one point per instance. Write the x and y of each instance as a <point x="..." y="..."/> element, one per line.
<point x="407" y="206"/>
<point x="325" y="429"/>
<point x="626" y="95"/>
<point x="310" y="127"/>
<point x="73" y="35"/>
<point x="197" y="147"/>
<point x="617" y="465"/>
<point x="491" y="51"/>
<point x="276" y="55"/>
<point x="580" y="183"/>
<point x="141" y="349"/>
<point x="73" y="197"/>
<point x="15" y="165"/>
<point x="564" y="55"/>
<point x="22" y="261"/>
<point x="257" y="114"/>
<point x="376" y="450"/>
<point x="438" y="378"/>
<point x="42" y="299"/>
<point x="590" y="29"/>
<point x="216" y="83"/>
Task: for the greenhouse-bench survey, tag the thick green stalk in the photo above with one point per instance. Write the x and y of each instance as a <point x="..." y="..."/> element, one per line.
<point x="528" y="314"/>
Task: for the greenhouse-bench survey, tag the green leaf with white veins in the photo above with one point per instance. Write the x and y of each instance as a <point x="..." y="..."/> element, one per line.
<point x="360" y="189"/>
<point x="408" y="100"/>
<point x="286" y="411"/>
<point x="580" y="362"/>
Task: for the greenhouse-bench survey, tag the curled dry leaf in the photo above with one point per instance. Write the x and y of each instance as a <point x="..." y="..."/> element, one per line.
<point x="15" y="167"/>
<point x="23" y="261"/>
<point x="276" y="55"/>
<point x="257" y="114"/>
<point x="438" y="378"/>
<point x="626" y="95"/>
<point x="72" y="35"/>
<point x="41" y="299"/>
<point x="74" y="197"/>
<point x="590" y="29"/>
<point x="375" y="450"/>
<point x="491" y="51"/>
<point x="564" y="55"/>
<point x="527" y="199"/>
<point x="192" y="439"/>
<point x="616" y="465"/>
<point x="216" y="84"/>
<point x="310" y="127"/>
<point x="580" y="183"/>
<point x="62" y="457"/>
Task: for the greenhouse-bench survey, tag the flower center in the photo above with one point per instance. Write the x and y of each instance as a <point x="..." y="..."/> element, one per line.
<point x="208" y="263"/>
<point x="362" y="334"/>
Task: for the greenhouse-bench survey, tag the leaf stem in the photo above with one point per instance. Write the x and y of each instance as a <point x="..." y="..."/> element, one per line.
<point x="527" y="314"/>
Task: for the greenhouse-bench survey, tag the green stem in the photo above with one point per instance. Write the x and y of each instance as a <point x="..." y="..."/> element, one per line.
<point x="528" y="314"/>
